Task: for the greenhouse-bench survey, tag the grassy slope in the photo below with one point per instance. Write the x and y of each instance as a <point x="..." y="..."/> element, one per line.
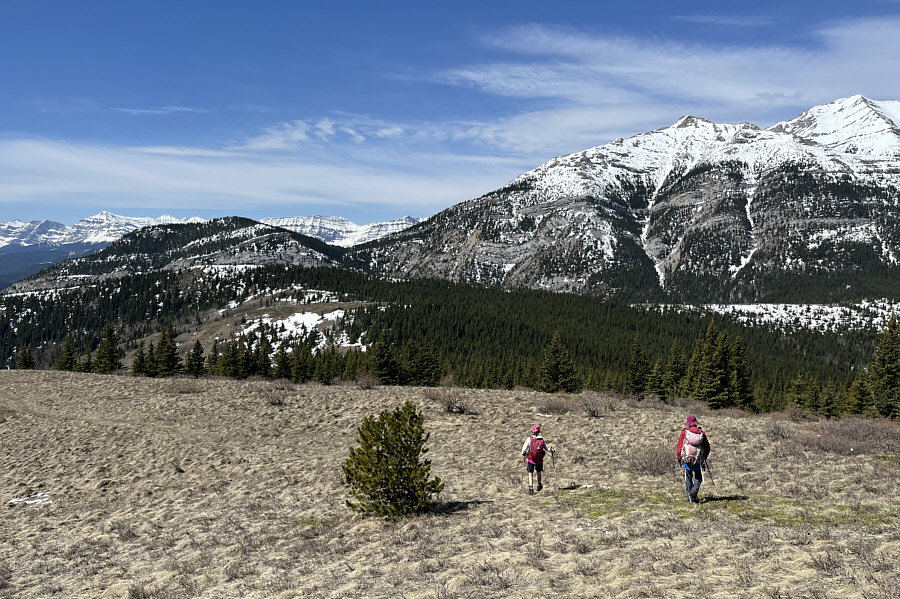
<point x="184" y="488"/>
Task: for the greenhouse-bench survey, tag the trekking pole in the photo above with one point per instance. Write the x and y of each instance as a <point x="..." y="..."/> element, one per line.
<point x="524" y="470"/>
<point x="709" y="473"/>
<point x="555" y="478"/>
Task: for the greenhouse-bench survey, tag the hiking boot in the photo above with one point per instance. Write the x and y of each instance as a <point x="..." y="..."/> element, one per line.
<point x="540" y="486"/>
<point x="531" y="490"/>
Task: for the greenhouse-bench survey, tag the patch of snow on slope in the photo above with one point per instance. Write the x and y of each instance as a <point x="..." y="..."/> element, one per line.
<point x="814" y="317"/>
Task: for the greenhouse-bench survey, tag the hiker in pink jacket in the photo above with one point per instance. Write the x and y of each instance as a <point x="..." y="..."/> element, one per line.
<point x="533" y="452"/>
<point x="691" y="451"/>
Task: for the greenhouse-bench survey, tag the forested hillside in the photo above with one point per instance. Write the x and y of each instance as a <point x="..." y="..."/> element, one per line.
<point x="483" y="336"/>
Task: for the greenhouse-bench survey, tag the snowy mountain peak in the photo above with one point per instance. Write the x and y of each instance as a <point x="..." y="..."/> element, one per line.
<point x="854" y="125"/>
<point x="102" y="228"/>
<point x="340" y="231"/>
<point x="691" y="121"/>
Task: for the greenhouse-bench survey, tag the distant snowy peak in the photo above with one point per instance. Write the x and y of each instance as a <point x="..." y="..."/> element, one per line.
<point x="854" y="125"/>
<point x="340" y="231"/>
<point x="102" y="228"/>
<point x="16" y="232"/>
<point x="329" y="229"/>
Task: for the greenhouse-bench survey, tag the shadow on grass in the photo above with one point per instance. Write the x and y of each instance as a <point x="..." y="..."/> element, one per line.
<point x="454" y="507"/>
<point x="725" y="498"/>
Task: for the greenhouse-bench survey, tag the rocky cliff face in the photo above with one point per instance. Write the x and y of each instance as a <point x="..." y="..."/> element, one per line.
<point x="697" y="211"/>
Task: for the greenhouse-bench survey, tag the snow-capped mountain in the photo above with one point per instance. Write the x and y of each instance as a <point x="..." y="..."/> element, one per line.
<point x="340" y="231"/>
<point x="858" y="126"/>
<point x="101" y="228"/>
<point x="807" y="210"/>
<point x="232" y="243"/>
<point x="697" y="210"/>
<point x="26" y="248"/>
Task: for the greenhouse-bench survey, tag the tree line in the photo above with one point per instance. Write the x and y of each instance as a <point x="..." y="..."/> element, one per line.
<point x="424" y="330"/>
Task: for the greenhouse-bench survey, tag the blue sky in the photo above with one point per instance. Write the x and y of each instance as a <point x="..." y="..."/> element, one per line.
<point x="377" y="110"/>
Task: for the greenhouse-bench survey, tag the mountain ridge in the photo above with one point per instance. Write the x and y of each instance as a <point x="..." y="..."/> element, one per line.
<point x="27" y="248"/>
<point x="697" y="211"/>
<point x="806" y="210"/>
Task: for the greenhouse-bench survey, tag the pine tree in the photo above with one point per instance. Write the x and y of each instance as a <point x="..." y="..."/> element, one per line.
<point x="88" y="364"/>
<point x="654" y="383"/>
<point x="674" y="372"/>
<point x="194" y="363"/>
<point x="109" y="355"/>
<point x="302" y="366"/>
<point x="711" y="376"/>
<point x="282" y="362"/>
<point x="26" y="358"/>
<point x="557" y="372"/>
<point x="805" y="393"/>
<point x="66" y="359"/>
<point x="212" y="360"/>
<point x="858" y="399"/>
<point x="638" y="367"/>
<point x="423" y="365"/>
<point x="151" y="366"/>
<point x="139" y="363"/>
<point x="741" y="392"/>
<point x="386" y="474"/>
<point x="385" y="365"/>
<point x="884" y="371"/>
<point x="167" y="360"/>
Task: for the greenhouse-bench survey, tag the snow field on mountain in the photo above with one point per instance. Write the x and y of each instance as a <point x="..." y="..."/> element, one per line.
<point x="814" y="317"/>
<point x="299" y="325"/>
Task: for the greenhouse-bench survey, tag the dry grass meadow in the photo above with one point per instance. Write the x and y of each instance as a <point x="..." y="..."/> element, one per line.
<point x="163" y="489"/>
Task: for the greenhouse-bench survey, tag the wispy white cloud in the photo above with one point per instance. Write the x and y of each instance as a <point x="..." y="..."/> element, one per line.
<point x="161" y="110"/>
<point x="728" y="20"/>
<point x="280" y="137"/>
<point x="629" y="84"/>
<point x="564" y="89"/>
<point x="236" y="182"/>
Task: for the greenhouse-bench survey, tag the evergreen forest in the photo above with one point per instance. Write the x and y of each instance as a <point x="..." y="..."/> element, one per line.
<point x="423" y="332"/>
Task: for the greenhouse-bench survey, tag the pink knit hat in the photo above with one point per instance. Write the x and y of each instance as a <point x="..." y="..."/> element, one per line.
<point x="536" y="428"/>
<point x="691" y="421"/>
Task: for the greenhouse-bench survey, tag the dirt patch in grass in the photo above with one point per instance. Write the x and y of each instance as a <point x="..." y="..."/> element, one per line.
<point x="218" y="488"/>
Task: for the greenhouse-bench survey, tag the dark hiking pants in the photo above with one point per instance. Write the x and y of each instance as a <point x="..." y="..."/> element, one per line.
<point x="692" y="480"/>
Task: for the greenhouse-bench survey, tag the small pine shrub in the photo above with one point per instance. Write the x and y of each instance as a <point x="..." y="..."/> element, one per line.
<point x="386" y="474"/>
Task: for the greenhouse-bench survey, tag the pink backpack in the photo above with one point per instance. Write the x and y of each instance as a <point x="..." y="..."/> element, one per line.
<point x="536" y="450"/>
<point x="692" y="448"/>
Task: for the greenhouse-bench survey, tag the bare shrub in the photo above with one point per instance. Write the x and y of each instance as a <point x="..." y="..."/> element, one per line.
<point x="283" y="385"/>
<point x="794" y="414"/>
<point x="237" y="568"/>
<point x="573" y="543"/>
<point x="654" y="461"/>
<point x="124" y="530"/>
<point x="139" y="591"/>
<point x="492" y="575"/>
<point x="536" y="554"/>
<point x="366" y="382"/>
<point x="449" y="381"/>
<point x="273" y="397"/>
<point x="595" y="405"/>
<point x="451" y="400"/>
<point x="5" y="576"/>
<point x="780" y="431"/>
<point x="184" y="386"/>
<point x="557" y="404"/>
